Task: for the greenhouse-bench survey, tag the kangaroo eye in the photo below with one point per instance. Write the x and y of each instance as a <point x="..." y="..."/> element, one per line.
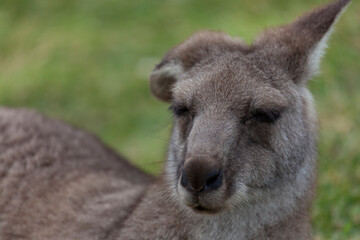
<point x="179" y="110"/>
<point x="263" y="116"/>
<point x="266" y="116"/>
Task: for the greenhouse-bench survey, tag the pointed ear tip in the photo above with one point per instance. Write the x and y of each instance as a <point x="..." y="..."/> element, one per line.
<point x="341" y="3"/>
<point x="345" y="2"/>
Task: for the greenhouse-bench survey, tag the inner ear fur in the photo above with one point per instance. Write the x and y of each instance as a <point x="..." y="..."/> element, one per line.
<point x="299" y="46"/>
<point x="193" y="51"/>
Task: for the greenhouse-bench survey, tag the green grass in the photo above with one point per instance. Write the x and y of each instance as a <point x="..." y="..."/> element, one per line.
<point x="87" y="62"/>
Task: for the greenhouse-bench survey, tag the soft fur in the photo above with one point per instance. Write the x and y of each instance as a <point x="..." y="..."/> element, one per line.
<point x="244" y="109"/>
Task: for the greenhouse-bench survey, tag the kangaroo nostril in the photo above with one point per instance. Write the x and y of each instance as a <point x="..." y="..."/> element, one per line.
<point x="184" y="180"/>
<point x="213" y="179"/>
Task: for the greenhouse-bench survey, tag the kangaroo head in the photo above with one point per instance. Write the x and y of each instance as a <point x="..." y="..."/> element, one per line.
<point x="244" y="124"/>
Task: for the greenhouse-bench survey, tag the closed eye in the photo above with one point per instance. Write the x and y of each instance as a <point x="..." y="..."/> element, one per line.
<point x="179" y="110"/>
<point x="264" y="116"/>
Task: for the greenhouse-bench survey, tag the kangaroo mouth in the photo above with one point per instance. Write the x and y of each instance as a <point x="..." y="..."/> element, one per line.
<point x="203" y="210"/>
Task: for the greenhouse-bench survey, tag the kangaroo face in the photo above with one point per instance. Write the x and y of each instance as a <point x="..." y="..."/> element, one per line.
<point x="231" y="133"/>
<point x="244" y="125"/>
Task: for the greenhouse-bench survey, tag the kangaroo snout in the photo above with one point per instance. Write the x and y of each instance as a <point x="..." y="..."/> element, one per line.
<point x="201" y="174"/>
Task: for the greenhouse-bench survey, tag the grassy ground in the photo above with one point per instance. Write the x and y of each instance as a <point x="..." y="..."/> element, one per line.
<point x="87" y="62"/>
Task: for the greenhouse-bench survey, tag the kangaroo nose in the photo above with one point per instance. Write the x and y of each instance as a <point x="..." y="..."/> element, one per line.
<point x="201" y="175"/>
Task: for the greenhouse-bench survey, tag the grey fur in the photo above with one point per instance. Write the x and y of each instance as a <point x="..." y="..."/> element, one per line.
<point x="244" y="108"/>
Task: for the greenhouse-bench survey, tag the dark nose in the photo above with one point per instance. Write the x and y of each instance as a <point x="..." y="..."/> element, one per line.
<point x="201" y="175"/>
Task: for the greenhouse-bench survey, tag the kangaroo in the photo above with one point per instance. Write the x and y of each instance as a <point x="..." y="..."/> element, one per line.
<point x="241" y="161"/>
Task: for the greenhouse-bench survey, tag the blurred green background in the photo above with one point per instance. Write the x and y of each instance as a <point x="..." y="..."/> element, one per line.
<point x="87" y="62"/>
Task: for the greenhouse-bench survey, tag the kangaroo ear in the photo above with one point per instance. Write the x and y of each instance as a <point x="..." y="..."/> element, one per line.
<point x="299" y="46"/>
<point x="182" y="58"/>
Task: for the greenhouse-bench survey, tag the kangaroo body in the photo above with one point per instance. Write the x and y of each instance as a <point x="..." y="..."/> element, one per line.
<point x="241" y="161"/>
<point x="58" y="182"/>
